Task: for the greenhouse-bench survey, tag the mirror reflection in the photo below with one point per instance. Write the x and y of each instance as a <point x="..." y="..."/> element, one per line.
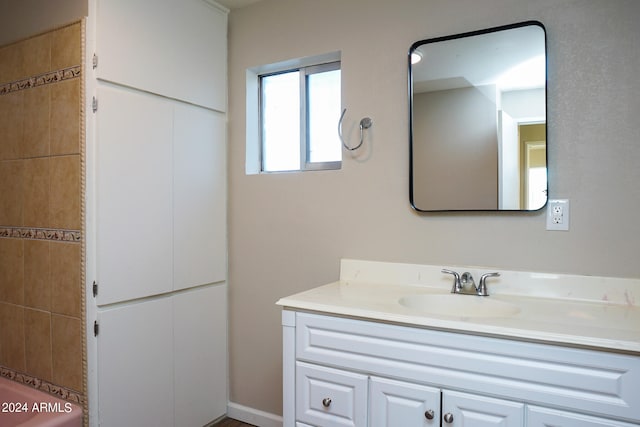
<point x="478" y="120"/>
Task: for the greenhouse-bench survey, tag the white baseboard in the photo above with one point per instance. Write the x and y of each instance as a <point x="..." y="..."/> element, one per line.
<point x="253" y="416"/>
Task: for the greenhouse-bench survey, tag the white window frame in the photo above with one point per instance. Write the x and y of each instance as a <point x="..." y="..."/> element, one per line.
<point x="326" y="62"/>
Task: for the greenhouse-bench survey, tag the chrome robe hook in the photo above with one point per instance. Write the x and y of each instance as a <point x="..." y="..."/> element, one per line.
<point x="365" y="123"/>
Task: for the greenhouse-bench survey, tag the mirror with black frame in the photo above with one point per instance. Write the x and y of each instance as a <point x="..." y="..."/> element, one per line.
<point x="478" y="138"/>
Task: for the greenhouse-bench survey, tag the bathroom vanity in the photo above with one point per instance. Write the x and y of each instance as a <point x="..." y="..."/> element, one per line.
<point x="389" y="345"/>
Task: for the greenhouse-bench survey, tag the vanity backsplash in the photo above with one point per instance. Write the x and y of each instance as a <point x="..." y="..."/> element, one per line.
<point x="533" y="284"/>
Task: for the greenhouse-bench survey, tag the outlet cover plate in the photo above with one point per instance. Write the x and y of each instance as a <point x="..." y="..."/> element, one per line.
<point x="558" y="215"/>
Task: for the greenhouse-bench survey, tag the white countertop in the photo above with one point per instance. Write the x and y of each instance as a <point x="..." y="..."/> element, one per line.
<point x="583" y="311"/>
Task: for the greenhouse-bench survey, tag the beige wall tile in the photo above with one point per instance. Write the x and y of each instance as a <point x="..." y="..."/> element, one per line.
<point x="66" y="291"/>
<point x="36" y="122"/>
<point x="66" y="49"/>
<point x="36" y="192"/>
<point x="11" y="189"/>
<point x="11" y="123"/>
<point x="37" y="328"/>
<point x="38" y="277"/>
<point x="37" y="274"/>
<point x="36" y="55"/>
<point x="10" y="63"/>
<point x="65" y="117"/>
<point x="64" y="198"/>
<point x="12" y="354"/>
<point x="67" y="351"/>
<point x="12" y="271"/>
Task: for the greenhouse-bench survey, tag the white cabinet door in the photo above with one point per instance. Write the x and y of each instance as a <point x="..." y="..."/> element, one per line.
<point x="174" y="48"/>
<point x="135" y="373"/>
<point x="134" y="183"/>
<point x="327" y="397"/>
<point x="161" y="204"/>
<point x="394" y="404"/>
<point x="461" y="409"/>
<point x="200" y="346"/>
<point x="545" y="417"/>
<point x="199" y="201"/>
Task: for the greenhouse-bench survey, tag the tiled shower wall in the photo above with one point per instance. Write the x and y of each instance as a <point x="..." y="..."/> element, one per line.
<point x="41" y="253"/>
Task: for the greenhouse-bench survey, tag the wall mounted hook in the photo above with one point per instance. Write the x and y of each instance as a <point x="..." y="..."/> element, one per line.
<point x="365" y="123"/>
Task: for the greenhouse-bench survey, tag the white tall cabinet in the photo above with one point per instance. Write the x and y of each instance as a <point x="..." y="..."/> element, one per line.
<point x="156" y="104"/>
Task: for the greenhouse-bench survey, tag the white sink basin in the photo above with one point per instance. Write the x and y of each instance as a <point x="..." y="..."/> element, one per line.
<point x="459" y="305"/>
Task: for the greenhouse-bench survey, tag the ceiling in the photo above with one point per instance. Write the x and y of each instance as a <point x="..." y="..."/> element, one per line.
<point x="512" y="59"/>
<point x="236" y="4"/>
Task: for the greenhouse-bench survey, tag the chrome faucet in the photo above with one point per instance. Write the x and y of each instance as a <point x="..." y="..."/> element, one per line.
<point x="465" y="285"/>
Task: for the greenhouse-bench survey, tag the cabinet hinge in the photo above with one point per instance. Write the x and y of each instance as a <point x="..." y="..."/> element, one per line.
<point x="95" y="289"/>
<point x="96" y="328"/>
<point x="94" y="104"/>
<point x="95" y="61"/>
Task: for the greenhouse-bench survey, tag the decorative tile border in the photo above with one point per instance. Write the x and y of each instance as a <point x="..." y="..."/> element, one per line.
<point x="42" y="385"/>
<point x="42" y="79"/>
<point x="41" y="234"/>
<point x="83" y="226"/>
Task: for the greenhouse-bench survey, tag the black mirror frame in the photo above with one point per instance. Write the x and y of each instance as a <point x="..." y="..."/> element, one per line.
<point x="418" y="43"/>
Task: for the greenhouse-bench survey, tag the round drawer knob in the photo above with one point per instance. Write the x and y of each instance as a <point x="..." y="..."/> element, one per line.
<point x="429" y="414"/>
<point x="448" y="417"/>
<point x="326" y="402"/>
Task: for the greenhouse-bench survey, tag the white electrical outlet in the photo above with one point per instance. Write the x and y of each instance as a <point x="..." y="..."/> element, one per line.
<point x="558" y="214"/>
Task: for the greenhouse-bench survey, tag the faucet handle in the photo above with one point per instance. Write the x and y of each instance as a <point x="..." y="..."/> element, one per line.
<point x="467" y="279"/>
<point x="457" y="284"/>
<point x="482" y="287"/>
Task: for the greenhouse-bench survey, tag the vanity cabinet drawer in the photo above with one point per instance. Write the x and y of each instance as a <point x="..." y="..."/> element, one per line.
<point x="330" y="397"/>
<point x="574" y="379"/>
<point x="545" y="417"/>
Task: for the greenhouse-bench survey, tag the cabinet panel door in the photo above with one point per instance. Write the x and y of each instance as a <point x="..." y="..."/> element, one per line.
<point x="199" y="208"/>
<point x="478" y="411"/>
<point x="173" y="48"/>
<point x="545" y="417"/>
<point x="200" y="346"/>
<point x="134" y="195"/>
<point x="135" y="365"/>
<point x="395" y="403"/>
<point x="329" y="397"/>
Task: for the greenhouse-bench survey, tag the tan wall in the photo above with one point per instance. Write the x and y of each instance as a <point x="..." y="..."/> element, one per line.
<point x="534" y="133"/>
<point x="41" y="314"/>
<point x="23" y="18"/>
<point x="455" y="145"/>
<point x="288" y="231"/>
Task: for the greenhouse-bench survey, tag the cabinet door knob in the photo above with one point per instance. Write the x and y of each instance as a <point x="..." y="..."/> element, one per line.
<point x="448" y="417"/>
<point x="326" y="402"/>
<point x="429" y="414"/>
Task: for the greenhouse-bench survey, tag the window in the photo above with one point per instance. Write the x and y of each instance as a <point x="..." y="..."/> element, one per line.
<point x="299" y="109"/>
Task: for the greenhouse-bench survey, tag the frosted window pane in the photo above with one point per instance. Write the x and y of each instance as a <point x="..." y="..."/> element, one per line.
<point x="323" y="90"/>
<point x="281" y="122"/>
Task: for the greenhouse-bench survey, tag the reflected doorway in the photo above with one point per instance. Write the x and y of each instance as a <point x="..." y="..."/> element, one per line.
<point x="533" y="163"/>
